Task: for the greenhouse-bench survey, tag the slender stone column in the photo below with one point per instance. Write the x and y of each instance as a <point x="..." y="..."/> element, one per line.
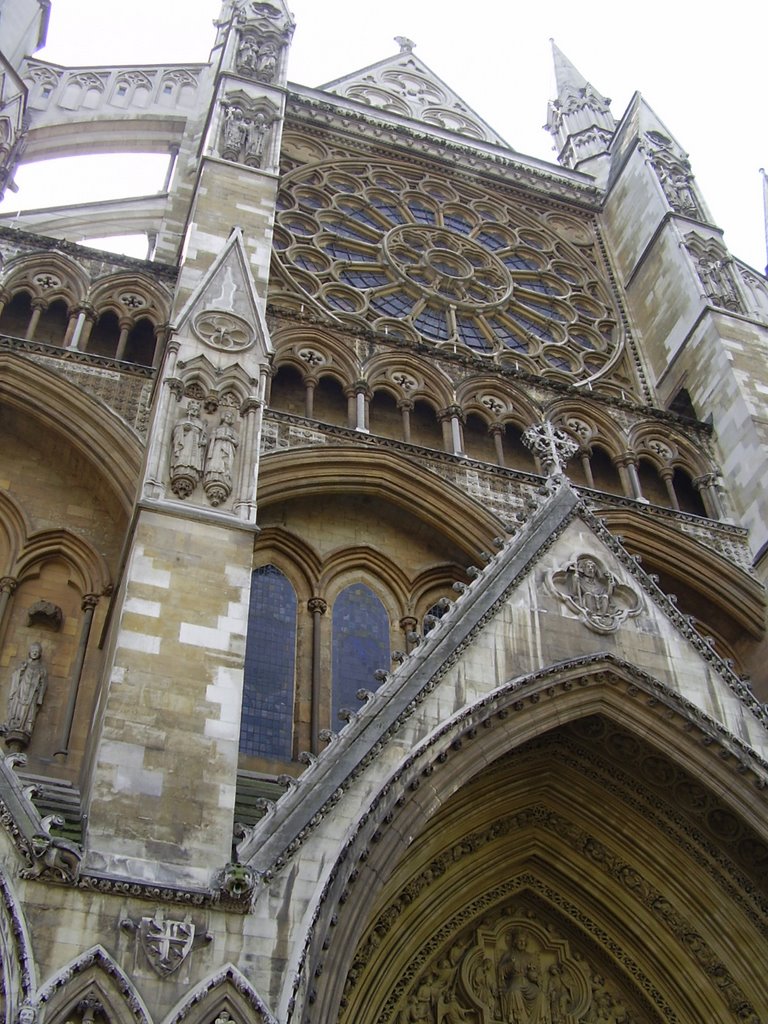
<point x="586" y="465"/>
<point x="408" y="625"/>
<point x="666" y="475"/>
<point x="88" y="607"/>
<point x="451" y="421"/>
<point x="37" y="310"/>
<point x="7" y="586"/>
<point x="496" y="430"/>
<point x="309" y="397"/>
<point x="707" y="488"/>
<point x="629" y="476"/>
<point x="405" y="406"/>
<point x="245" y="495"/>
<point x="77" y="329"/>
<point x="362" y="396"/>
<point x="318" y="607"/>
<point x="125" y="328"/>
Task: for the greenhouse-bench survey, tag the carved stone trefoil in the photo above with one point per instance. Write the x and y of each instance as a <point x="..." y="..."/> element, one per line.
<point x="593" y="593"/>
<point x="166" y="943"/>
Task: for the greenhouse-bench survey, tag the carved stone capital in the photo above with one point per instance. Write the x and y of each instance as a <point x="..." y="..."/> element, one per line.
<point x="317" y="604"/>
<point x="8" y="584"/>
<point x="89" y="602"/>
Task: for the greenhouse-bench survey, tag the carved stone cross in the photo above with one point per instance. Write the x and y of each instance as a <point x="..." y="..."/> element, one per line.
<point x="552" y="446"/>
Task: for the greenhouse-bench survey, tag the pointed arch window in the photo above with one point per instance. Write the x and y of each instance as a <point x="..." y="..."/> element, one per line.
<point x="360" y="645"/>
<point x="266" y="725"/>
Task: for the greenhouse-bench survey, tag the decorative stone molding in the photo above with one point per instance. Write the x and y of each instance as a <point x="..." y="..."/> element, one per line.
<point x="551" y="446"/>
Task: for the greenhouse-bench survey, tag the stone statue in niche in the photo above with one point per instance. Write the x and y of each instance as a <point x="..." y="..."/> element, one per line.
<point x="678" y="189"/>
<point x="718" y="283"/>
<point x="594" y="593"/>
<point x="234" y="133"/>
<point x="188" y="444"/>
<point x="247" y="54"/>
<point x="244" y="135"/>
<point x="220" y="458"/>
<point x="256" y="140"/>
<point x="266" y="62"/>
<point x="26" y="694"/>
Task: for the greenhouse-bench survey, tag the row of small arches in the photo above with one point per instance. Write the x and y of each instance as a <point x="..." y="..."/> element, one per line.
<point x="131" y="340"/>
<point x="669" y="473"/>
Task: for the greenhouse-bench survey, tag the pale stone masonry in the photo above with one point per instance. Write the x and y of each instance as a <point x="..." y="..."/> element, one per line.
<point x="393" y="537"/>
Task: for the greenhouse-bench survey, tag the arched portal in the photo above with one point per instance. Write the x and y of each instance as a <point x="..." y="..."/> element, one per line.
<point x="576" y="849"/>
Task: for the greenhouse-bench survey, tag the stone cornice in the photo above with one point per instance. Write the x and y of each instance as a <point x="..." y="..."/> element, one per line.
<point x="378" y="129"/>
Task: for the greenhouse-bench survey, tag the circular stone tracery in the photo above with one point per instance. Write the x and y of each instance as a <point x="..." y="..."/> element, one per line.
<point x="424" y="259"/>
<point x="444" y="262"/>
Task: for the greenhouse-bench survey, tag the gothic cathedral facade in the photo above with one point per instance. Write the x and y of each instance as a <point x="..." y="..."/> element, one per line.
<point x="382" y="559"/>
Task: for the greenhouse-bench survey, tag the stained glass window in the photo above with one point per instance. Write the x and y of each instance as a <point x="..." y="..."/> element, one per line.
<point x="266" y="724"/>
<point x="360" y="645"/>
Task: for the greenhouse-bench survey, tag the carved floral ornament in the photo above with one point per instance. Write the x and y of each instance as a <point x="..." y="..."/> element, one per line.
<point x="594" y="594"/>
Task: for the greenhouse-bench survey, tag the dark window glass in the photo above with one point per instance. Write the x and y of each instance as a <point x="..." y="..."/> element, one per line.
<point x="267" y="719"/>
<point x="470" y="333"/>
<point x="360" y="645"/>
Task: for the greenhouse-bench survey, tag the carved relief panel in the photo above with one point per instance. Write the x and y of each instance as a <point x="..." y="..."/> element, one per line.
<point x="514" y="968"/>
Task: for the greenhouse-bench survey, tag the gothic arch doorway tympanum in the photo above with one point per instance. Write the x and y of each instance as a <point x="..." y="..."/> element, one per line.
<point x="583" y="876"/>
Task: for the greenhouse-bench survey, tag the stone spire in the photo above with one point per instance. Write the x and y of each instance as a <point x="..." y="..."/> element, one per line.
<point x="579" y="120"/>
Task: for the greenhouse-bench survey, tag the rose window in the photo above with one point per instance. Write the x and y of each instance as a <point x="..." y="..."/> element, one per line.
<point x="424" y="260"/>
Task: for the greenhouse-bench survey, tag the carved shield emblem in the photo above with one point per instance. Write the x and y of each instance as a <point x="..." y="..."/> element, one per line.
<point x="166" y="943"/>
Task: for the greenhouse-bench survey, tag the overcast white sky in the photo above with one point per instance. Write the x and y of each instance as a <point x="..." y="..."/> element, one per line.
<point x="701" y="67"/>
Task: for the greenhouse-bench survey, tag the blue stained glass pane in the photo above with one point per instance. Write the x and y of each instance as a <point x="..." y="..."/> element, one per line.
<point x="470" y="333"/>
<point x="547" y="311"/>
<point x="491" y="240"/>
<point x="341" y="251"/>
<point x="505" y="334"/>
<point x="266" y="724"/>
<point x="519" y="263"/>
<point x="420" y="213"/>
<point x="532" y="326"/>
<point x="364" y="279"/>
<point x="389" y="210"/>
<point x="452" y="220"/>
<point x="432" y="323"/>
<point x="360" y="645"/>
<point x="393" y="304"/>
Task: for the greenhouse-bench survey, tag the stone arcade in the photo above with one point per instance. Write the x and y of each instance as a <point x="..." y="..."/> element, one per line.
<point x="382" y="620"/>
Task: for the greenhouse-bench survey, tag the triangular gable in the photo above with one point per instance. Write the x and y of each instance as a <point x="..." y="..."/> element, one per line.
<point x="228" y="288"/>
<point x="523" y="614"/>
<point x="404" y="85"/>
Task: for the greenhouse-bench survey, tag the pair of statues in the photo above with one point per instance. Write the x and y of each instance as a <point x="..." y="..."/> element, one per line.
<point x="257" y="60"/>
<point x="195" y="456"/>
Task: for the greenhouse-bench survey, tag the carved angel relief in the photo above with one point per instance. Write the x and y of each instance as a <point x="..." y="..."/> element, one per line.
<point x="600" y="600"/>
<point x="198" y="453"/>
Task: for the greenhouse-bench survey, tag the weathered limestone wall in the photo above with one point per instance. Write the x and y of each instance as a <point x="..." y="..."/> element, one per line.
<point x="162" y="797"/>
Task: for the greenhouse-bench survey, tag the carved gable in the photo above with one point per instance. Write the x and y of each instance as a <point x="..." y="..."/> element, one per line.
<point x="404" y="85"/>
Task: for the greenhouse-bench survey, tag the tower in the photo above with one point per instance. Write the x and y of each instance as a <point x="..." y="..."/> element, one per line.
<point x="381" y="560"/>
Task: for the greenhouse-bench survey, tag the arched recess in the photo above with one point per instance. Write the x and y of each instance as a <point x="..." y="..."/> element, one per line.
<point x="14" y="528"/>
<point x="93" y="975"/>
<point x="225" y="990"/>
<point x="17" y="967"/>
<point x="62" y="409"/>
<point x="587" y="809"/>
<point x="384" y="477"/>
<point x="710" y="586"/>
